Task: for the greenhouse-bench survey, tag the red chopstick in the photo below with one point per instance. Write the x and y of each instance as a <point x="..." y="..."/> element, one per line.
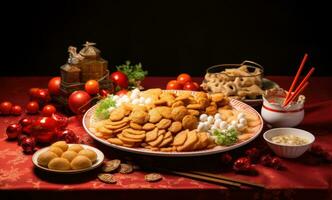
<point x="296" y="77"/>
<point x="286" y="102"/>
<point x="296" y="93"/>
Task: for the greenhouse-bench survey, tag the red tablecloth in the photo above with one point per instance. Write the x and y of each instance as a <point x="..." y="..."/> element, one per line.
<point x="298" y="180"/>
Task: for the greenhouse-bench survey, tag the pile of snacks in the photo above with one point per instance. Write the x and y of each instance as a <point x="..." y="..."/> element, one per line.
<point x="169" y="122"/>
<point x="61" y="156"/>
<point x="239" y="82"/>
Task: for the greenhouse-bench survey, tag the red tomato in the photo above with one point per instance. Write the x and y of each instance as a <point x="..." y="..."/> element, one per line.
<point x="16" y="110"/>
<point x="197" y="85"/>
<point x="77" y="100"/>
<point x="25" y="121"/>
<point x="120" y="79"/>
<point x="43" y="96"/>
<point x="33" y="93"/>
<point x="190" y="86"/>
<point x="43" y="129"/>
<point x="61" y="120"/>
<point x="173" y="85"/>
<point x="92" y="87"/>
<point x="122" y="92"/>
<point x="32" y="107"/>
<point x="183" y="78"/>
<point x="103" y="93"/>
<point x="54" y="85"/>
<point x="48" y="110"/>
<point x="6" y="107"/>
<point x="13" y="131"/>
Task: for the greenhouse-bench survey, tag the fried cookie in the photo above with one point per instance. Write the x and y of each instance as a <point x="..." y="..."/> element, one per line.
<point x="139" y="116"/>
<point x="180" y="138"/>
<point x="165" y="112"/>
<point x="193" y="112"/>
<point x="164" y="123"/>
<point x="151" y="135"/>
<point x="148" y="126"/>
<point x="117" y="114"/>
<point x="178" y="113"/>
<point x="175" y="127"/>
<point x="116" y="141"/>
<point x="189" y="143"/>
<point x="157" y="141"/>
<point x="132" y="136"/>
<point x="154" y="115"/>
<point x="134" y="132"/>
<point x="189" y="122"/>
<point x="135" y="126"/>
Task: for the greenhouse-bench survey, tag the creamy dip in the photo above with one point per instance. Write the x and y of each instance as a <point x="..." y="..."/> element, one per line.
<point x="289" y="140"/>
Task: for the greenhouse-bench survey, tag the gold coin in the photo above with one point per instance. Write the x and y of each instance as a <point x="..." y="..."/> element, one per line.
<point x="106" y="178"/>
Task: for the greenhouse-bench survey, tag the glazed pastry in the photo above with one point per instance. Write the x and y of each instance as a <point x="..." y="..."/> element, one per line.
<point x="46" y="157"/>
<point x="75" y="147"/>
<point x="80" y="162"/>
<point x="56" y="150"/>
<point x="69" y="155"/>
<point x="89" y="154"/>
<point x="61" y="144"/>
<point x="59" y="164"/>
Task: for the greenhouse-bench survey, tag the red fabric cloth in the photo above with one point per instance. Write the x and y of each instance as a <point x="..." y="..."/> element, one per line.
<point x="17" y="171"/>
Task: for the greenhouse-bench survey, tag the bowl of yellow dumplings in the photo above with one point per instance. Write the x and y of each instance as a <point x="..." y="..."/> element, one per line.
<point x="68" y="158"/>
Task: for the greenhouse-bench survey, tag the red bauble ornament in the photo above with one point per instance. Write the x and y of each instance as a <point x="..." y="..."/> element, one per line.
<point x="61" y="120"/>
<point x="253" y="154"/>
<point x="16" y="110"/>
<point x="266" y="160"/>
<point x="43" y="129"/>
<point x="226" y="159"/>
<point x="28" y="145"/>
<point x="48" y="110"/>
<point x="43" y="96"/>
<point x="67" y="135"/>
<point x="54" y="85"/>
<point x="25" y="121"/>
<point x="243" y="165"/>
<point x="32" y="107"/>
<point x="5" y="108"/>
<point x="120" y="79"/>
<point x="20" y="139"/>
<point x="78" y="101"/>
<point x="13" y="131"/>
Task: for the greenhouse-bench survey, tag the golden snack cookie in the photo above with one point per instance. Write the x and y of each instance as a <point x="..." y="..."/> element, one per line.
<point x="134" y="132"/>
<point x="178" y="113"/>
<point x="148" y="126"/>
<point x="151" y="135"/>
<point x="69" y="155"/>
<point x="193" y="112"/>
<point x="166" y="112"/>
<point x="117" y="114"/>
<point x="116" y="141"/>
<point x="80" y="162"/>
<point x="61" y="144"/>
<point x="133" y="136"/>
<point x="135" y="126"/>
<point x="154" y="115"/>
<point x="164" y="123"/>
<point x="89" y="154"/>
<point x="189" y="122"/>
<point x="56" y="150"/>
<point x="44" y="158"/>
<point x="211" y="110"/>
<point x="115" y="123"/>
<point x="177" y="103"/>
<point x="139" y="116"/>
<point x="59" y="164"/>
<point x="113" y="127"/>
<point x="175" y="127"/>
<point x="166" y="141"/>
<point x="127" y="140"/>
<point x="75" y="147"/>
<point x="180" y="138"/>
<point x="189" y="143"/>
<point x="156" y="142"/>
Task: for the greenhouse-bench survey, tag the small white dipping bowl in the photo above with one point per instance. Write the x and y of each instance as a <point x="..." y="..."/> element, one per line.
<point x="288" y="151"/>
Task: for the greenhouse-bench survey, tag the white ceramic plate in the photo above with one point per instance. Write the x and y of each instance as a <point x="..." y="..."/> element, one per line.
<point x="238" y="105"/>
<point x="99" y="161"/>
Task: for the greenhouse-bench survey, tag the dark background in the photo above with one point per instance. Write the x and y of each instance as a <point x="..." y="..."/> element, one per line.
<point x="167" y="37"/>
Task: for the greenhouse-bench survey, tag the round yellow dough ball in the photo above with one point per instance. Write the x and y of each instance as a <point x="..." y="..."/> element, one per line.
<point x="56" y="150"/>
<point x="69" y="155"/>
<point x="80" y="162"/>
<point x="75" y="147"/>
<point x="89" y="154"/>
<point x="59" y="164"/>
<point x="61" y="144"/>
<point x="45" y="158"/>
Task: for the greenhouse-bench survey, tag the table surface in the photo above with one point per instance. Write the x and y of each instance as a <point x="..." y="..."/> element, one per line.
<point x="18" y="174"/>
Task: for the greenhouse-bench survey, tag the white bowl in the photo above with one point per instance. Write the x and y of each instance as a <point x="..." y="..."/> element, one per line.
<point x="288" y="151"/>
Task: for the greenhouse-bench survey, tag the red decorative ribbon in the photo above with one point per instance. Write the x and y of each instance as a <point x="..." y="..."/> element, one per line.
<point x="282" y="111"/>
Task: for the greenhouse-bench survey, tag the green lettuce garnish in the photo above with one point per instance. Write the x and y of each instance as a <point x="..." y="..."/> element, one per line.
<point x="102" y="110"/>
<point x="226" y="138"/>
